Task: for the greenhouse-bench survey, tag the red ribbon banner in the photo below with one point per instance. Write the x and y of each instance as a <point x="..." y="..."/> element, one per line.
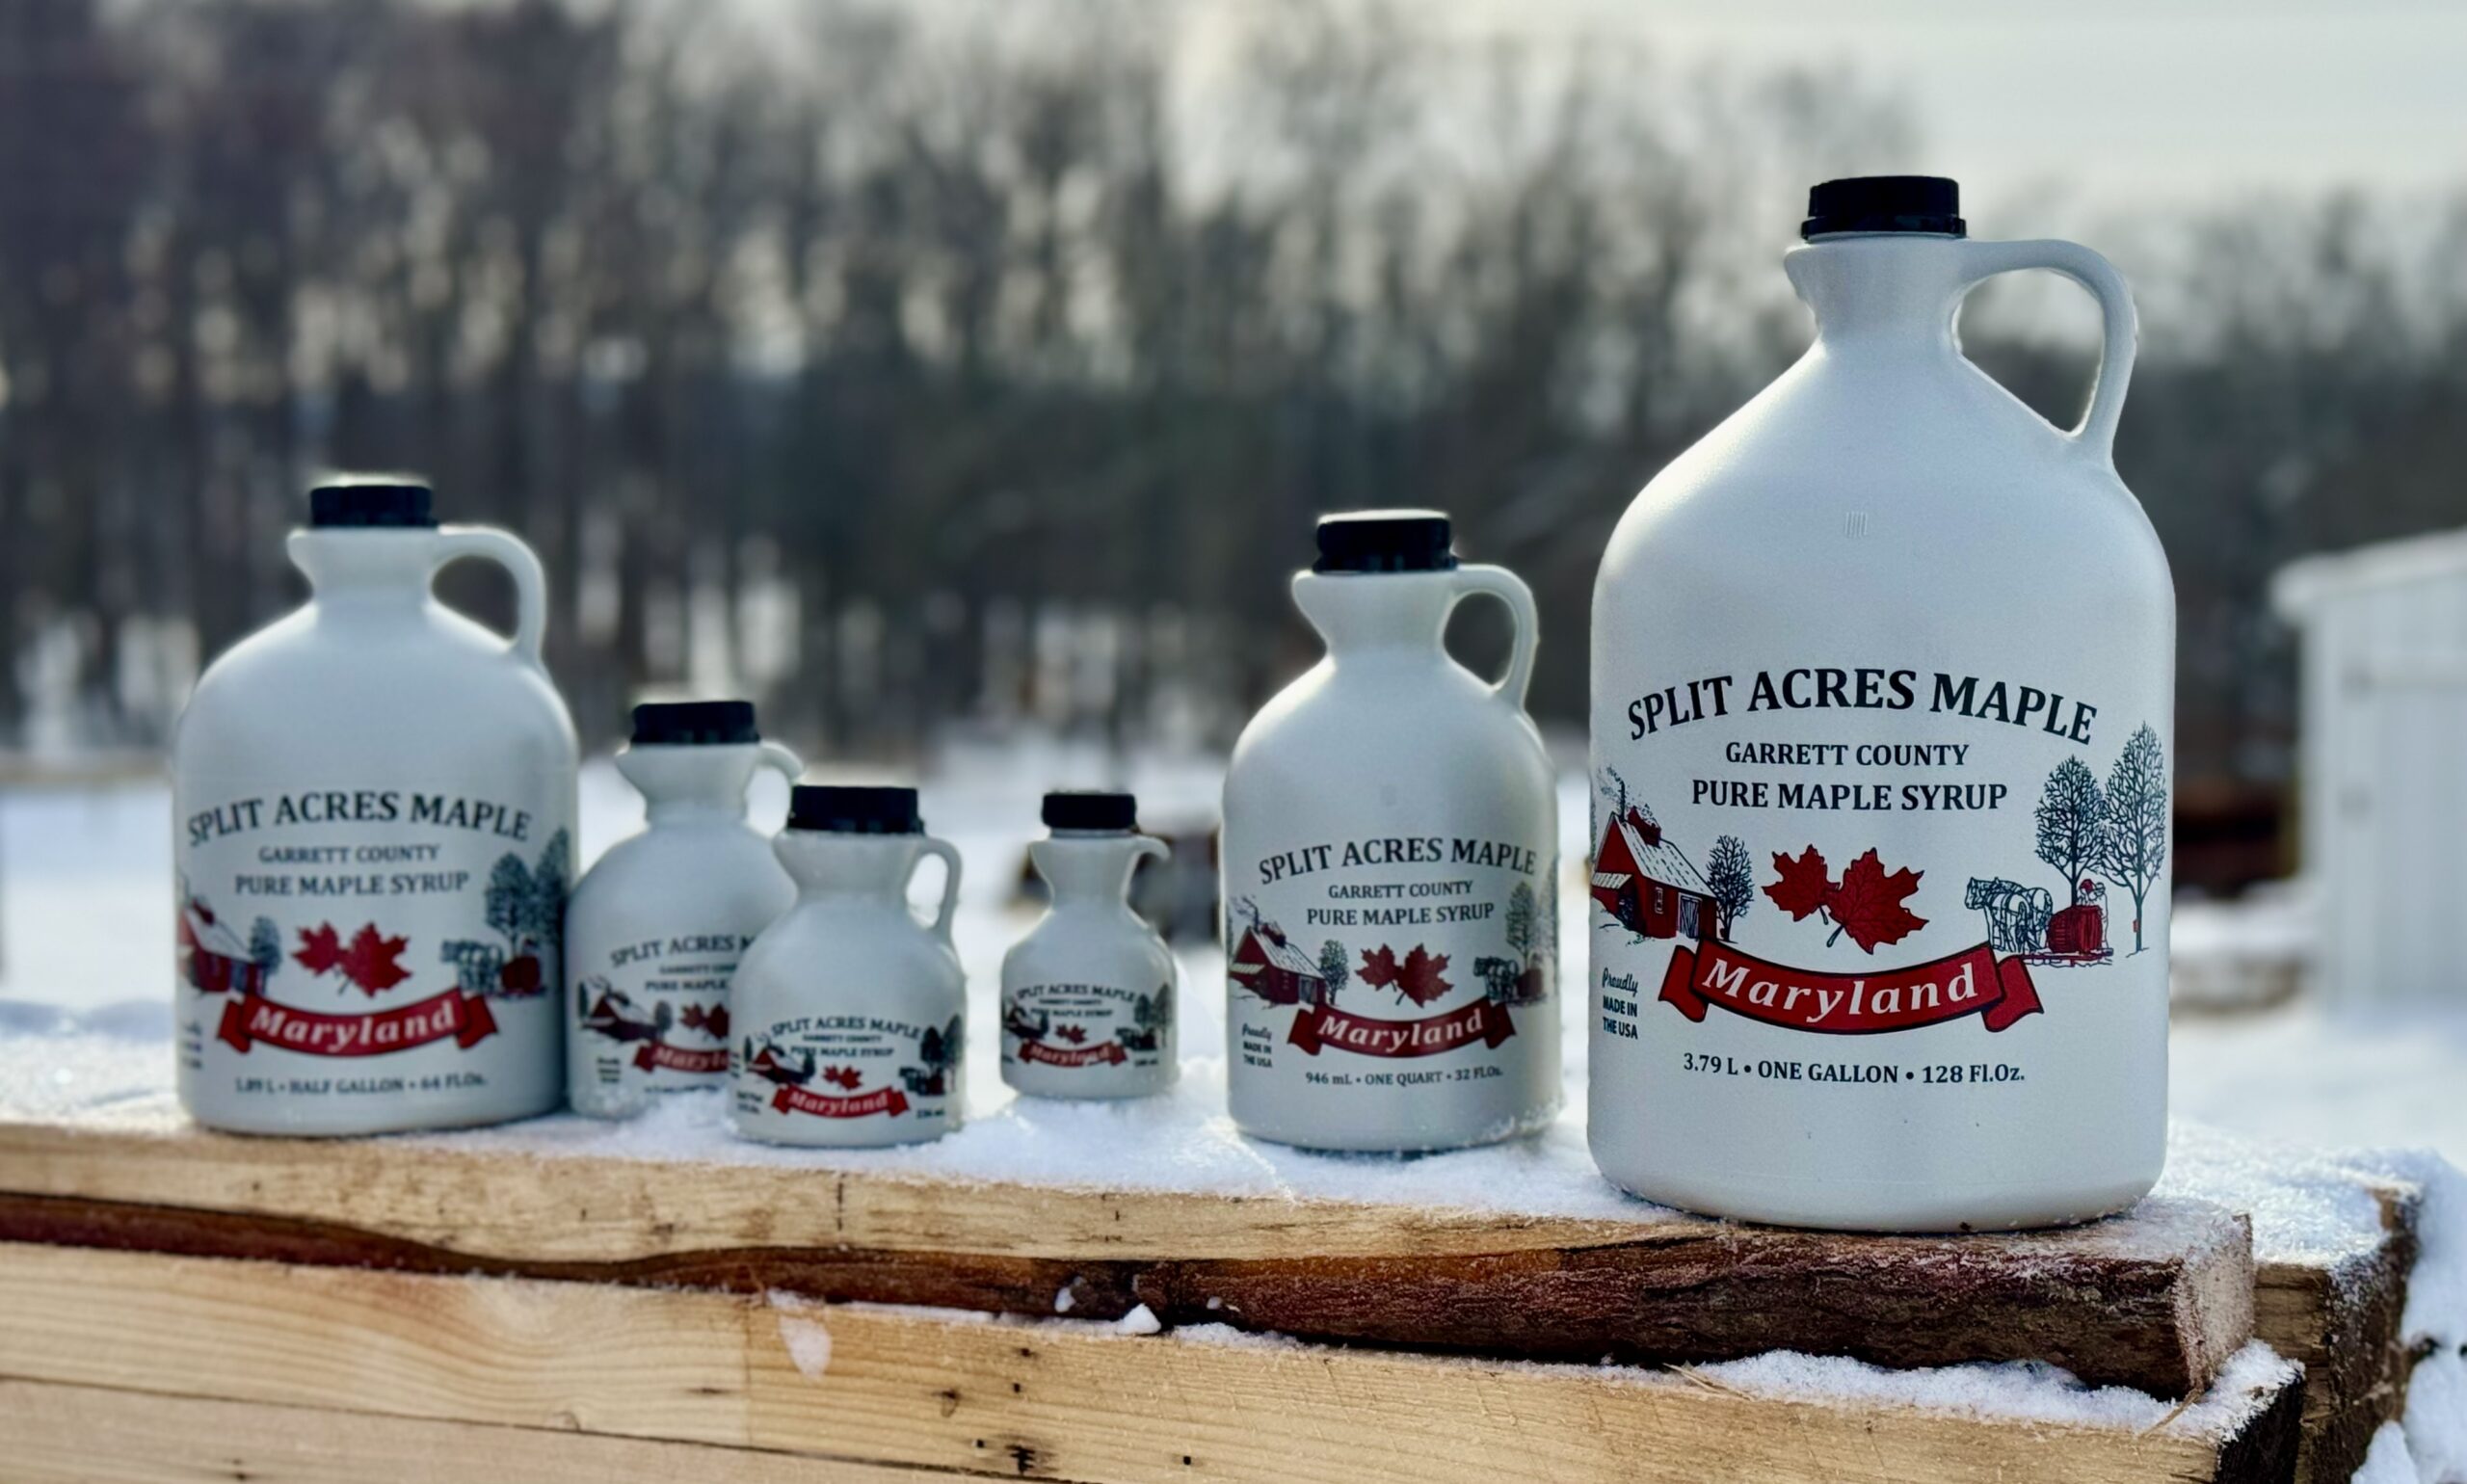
<point x="1972" y="982"/>
<point x="1110" y="1052"/>
<point x="1319" y="1025"/>
<point x="252" y="1018"/>
<point x="882" y="1099"/>
<point x="656" y="1055"/>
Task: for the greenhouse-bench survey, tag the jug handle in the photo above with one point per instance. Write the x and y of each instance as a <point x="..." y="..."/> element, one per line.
<point x="1510" y="589"/>
<point x="2097" y="430"/>
<point x="948" y="854"/>
<point x="781" y="759"/>
<point x="488" y="543"/>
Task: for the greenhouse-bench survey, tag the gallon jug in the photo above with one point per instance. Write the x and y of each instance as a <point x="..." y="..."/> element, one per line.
<point x="1088" y="995"/>
<point x="850" y="1014"/>
<point x="1390" y="859"/>
<point x="655" y="928"/>
<point x="1883" y="675"/>
<point x="374" y="828"/>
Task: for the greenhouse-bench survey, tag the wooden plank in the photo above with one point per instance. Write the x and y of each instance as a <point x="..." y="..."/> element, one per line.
<point x="2342" y="1320"/>
<point x="1047" y="1400"/>
<point x="87" y="1434"/>
<point x="2155" y="1300"/>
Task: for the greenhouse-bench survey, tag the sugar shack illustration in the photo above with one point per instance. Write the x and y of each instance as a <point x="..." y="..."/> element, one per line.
<point x="213" y="959"/>
<point x="775" y="1065"/>
<point x="1271" y="967"/>
<point x="1647" y="883"/>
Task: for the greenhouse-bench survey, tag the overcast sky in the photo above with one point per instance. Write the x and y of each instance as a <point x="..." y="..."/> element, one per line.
<point x="2125" y="103"/>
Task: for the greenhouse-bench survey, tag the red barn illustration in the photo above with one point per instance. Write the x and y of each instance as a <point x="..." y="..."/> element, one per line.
<point x="215" y="960"/>
<point x="2080" y="931"/>
<point x="1274" y="969"/>
<point x="1649" y="884"/>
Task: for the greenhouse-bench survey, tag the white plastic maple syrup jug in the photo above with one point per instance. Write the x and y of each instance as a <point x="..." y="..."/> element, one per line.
<point x="1883" y="675"/>
<point x="1390" y="852"/>
<point x="374" y="828"/>
<point x="657" y="926"/>
<point x="850" y="1014"/>
<point x="1088" y="995"/>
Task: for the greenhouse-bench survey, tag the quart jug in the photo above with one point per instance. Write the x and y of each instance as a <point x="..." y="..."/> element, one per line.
<point x="657" y="924"/>
<point x="375" y="811"/>
<point x="1390" y="857"/>
<point x="1088" y="994"/>
<point x="851" y="1015"/>
<point x="1883" y="675"/>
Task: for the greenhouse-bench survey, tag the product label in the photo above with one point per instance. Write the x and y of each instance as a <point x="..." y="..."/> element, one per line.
<point x="1803" y="849"/>
<point x="1086" y="1025"/>
<point x="339" y="942"/>
<point x="850" y="1067"/>
<point x="655" y="1012"/>
<point x="1366" y="964"/>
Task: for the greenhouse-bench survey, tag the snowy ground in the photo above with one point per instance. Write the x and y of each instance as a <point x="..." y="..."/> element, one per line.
<point x="2278" y="1106"/>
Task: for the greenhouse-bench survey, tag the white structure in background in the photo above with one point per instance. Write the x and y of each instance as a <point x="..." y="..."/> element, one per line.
<point x="2384" y="762"/>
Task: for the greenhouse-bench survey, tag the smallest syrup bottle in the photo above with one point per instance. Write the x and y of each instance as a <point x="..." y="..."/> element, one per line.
<point x="1088" y="995"/>
<point x="654" y="929"/>
<point x="850" y="1014"/>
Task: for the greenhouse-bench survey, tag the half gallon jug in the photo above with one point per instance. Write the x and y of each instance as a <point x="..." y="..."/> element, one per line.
<point x="657" y="926"/>
<point x="850" y="1014"/>
<point x="1883" y="675"/>
<point x="1389" y="855"/>
<point x="374" y="830"/>
<point x="1088" y="995"/>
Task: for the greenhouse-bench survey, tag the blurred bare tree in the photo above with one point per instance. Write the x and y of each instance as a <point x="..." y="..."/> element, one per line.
<point x="983" y="364"/>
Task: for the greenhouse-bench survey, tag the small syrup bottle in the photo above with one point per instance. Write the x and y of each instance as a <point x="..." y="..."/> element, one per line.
<point x="654" y="929"/>
<point x="851" y="1015"/>
<point x="1088" y="995"/>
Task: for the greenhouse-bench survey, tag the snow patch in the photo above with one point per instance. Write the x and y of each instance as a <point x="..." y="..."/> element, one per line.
<point x="2026" y="1390"/>
<point x="807" y="1340"/>
<point x="2387" y="1462"/>
<point x="1141" y="1320"/>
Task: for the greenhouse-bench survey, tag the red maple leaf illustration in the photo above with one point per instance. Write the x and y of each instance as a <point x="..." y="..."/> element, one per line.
<point x="845" y="1078"/>
<point x="1419" y="978"/>
<point x="1865" y="903"/>
<point x="372" y="961"/>
<point x="692" y="1018"/>
<point x="1869" y="902"/>
<point x="320" y="949"/>
<point x="1805" y="883"/>
<point x="716" y="1023"/>
<point x="1074" y="1034"/>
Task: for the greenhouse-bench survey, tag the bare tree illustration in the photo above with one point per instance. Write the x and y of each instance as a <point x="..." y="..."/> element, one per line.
<point x="2131" y="849"/>
<point x="1730" y="875"/>
<point x="2069" y="810"/>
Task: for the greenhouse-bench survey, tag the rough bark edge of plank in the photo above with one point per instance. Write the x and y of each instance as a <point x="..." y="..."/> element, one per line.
<point x="2158" y="1327"/>
<point x="2344" y="1321"/>
<point x="1054" y="1400"/>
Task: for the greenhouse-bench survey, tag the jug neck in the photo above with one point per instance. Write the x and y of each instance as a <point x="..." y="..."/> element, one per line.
<point x="1382" y="616"/>
<point x="1091" y="868"/>
<point x="858" y="867"/>
<point x="374" y="569"/>
<point x="685" y="783"/>
<point x="1887" y="292"/>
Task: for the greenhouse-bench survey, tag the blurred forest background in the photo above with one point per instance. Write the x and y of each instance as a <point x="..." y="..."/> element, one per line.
<point x="926" y="370"/>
